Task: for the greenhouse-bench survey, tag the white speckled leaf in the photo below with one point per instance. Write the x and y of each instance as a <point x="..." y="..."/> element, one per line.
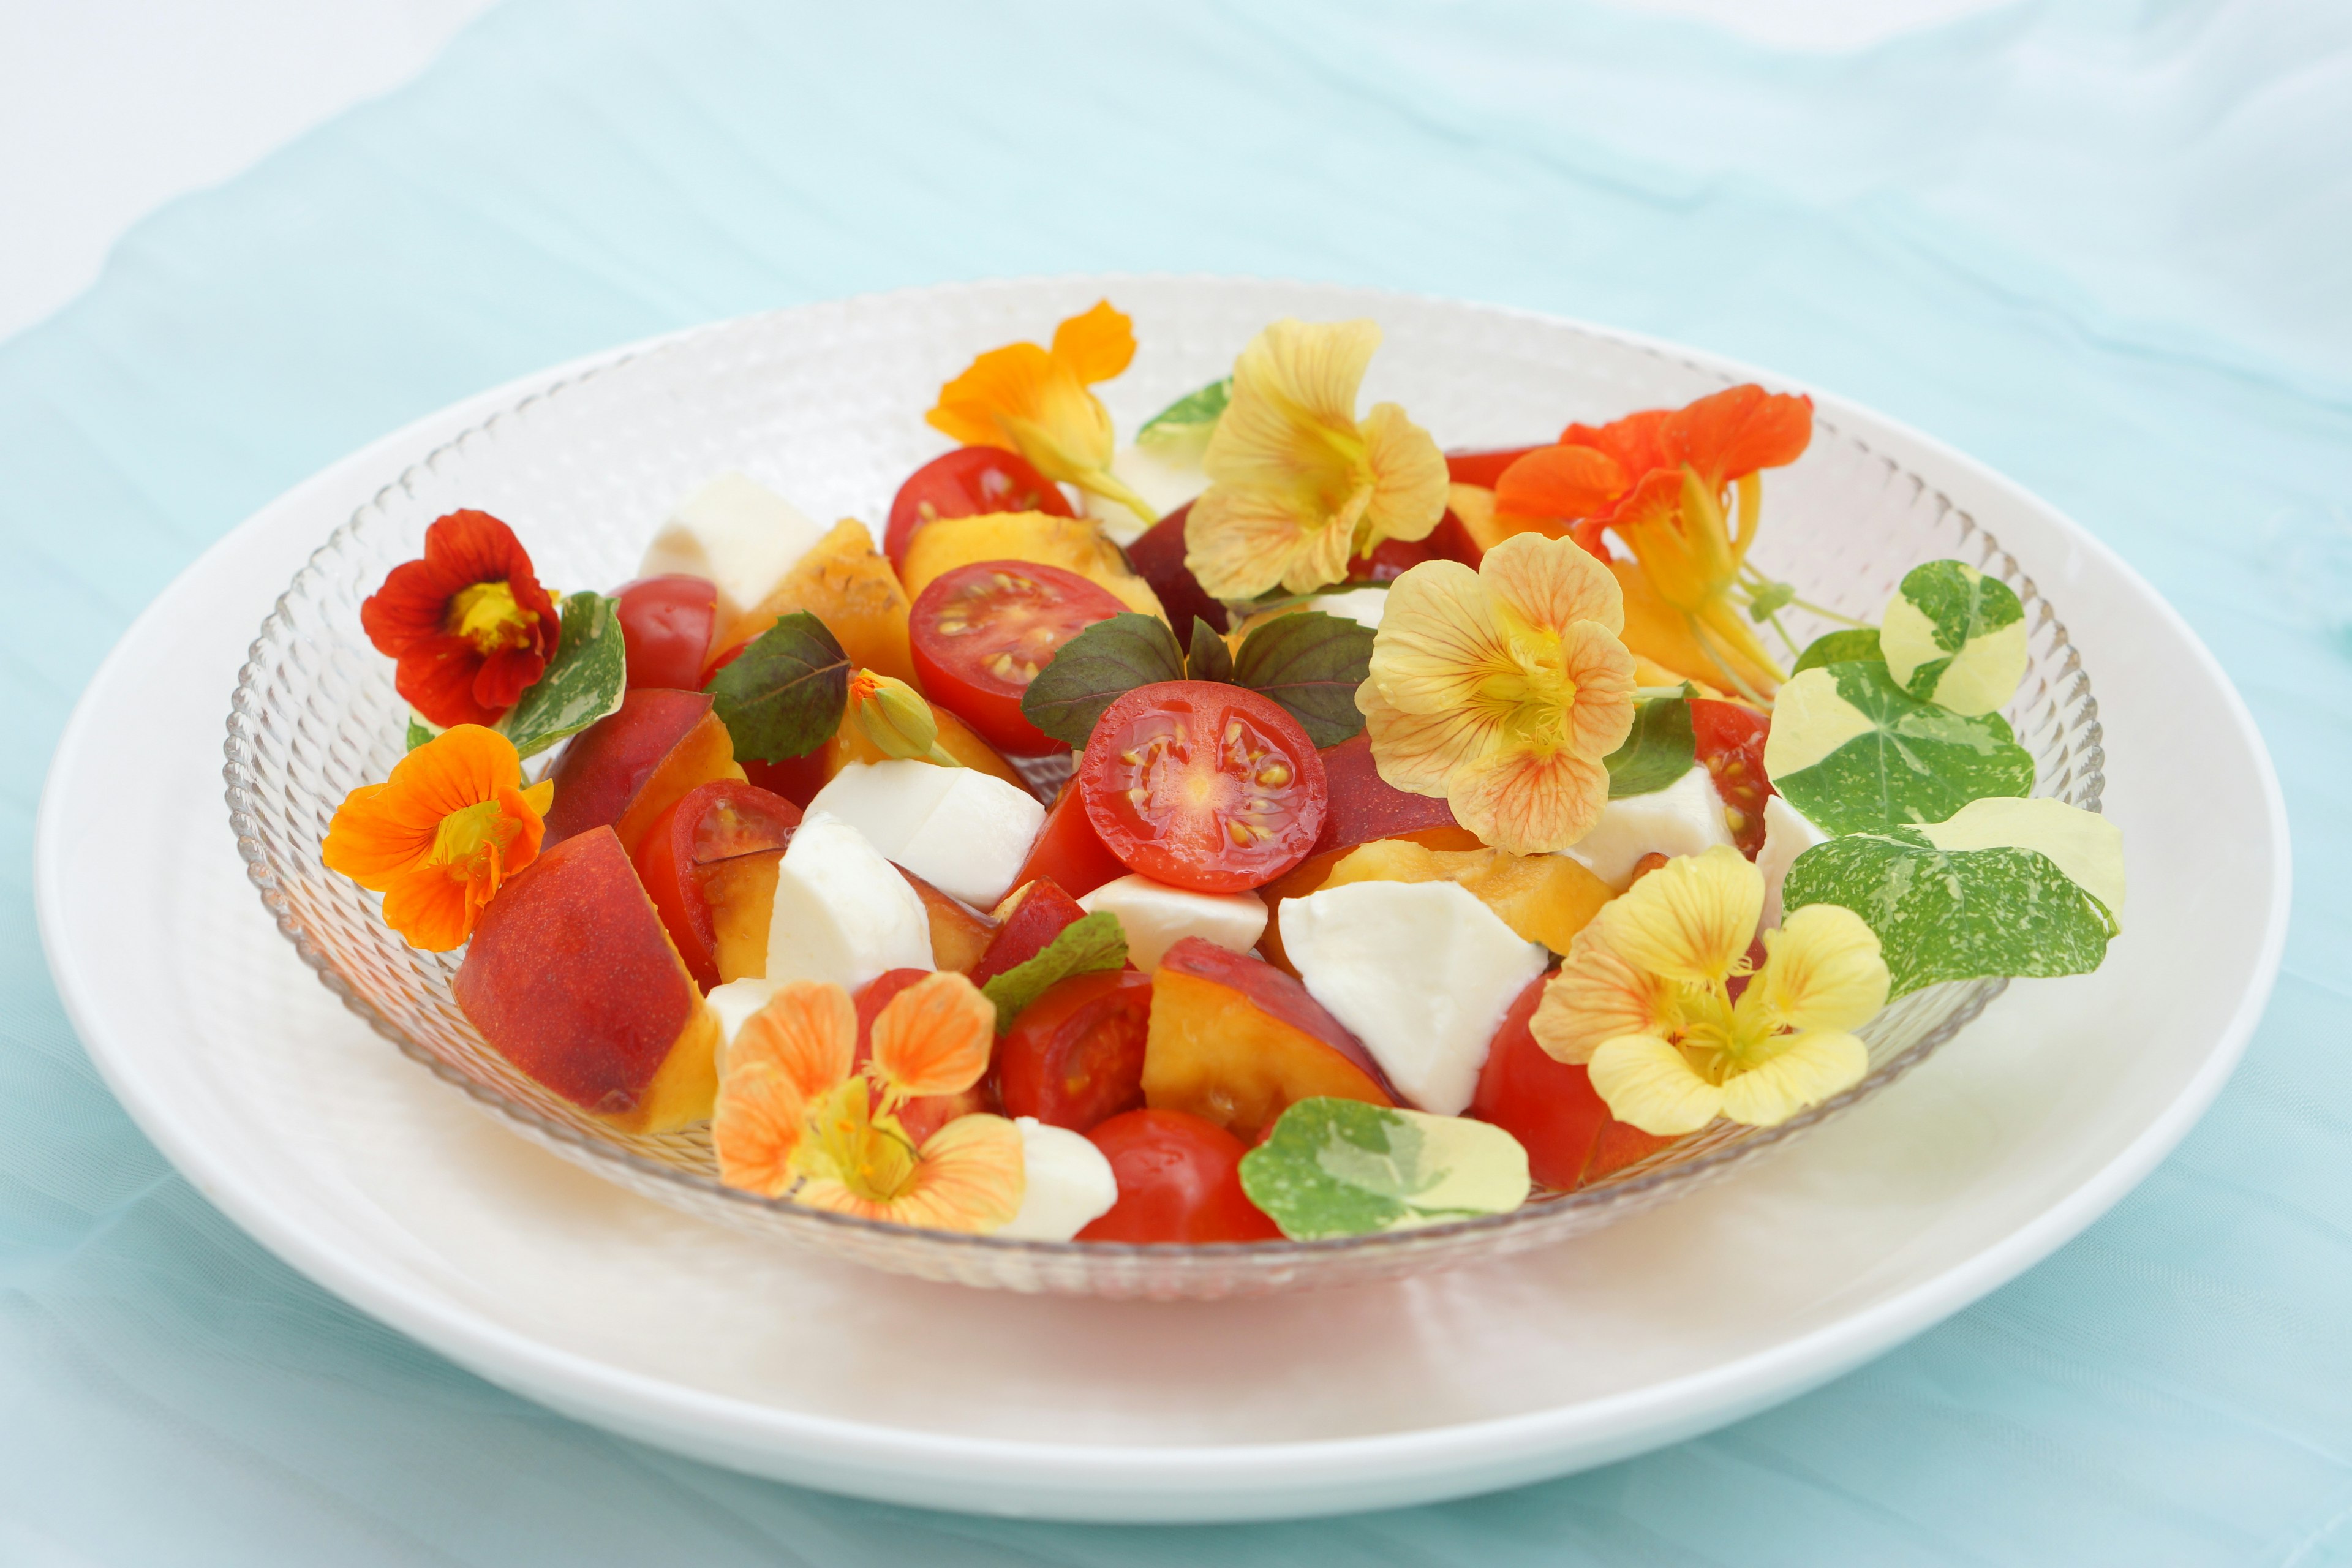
<point x="1955" y="636"/>
<point x="585" y="681"/>
<point x="1889" y="759"/>
<point x="1340" y="1167"/>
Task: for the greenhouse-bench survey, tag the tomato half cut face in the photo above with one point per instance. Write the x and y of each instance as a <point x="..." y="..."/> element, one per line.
<point x="980" y="633"/>
<point x="711" y="825"/>
<point x="1202" y="785"/>
<point x="1729" y="739"/>
<point x="968" y="482"/>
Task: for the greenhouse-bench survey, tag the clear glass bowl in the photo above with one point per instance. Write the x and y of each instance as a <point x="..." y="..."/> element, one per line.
<point x="824" y="404"/>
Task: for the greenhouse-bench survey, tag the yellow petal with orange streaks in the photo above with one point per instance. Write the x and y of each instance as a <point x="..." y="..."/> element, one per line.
<point x="807" y="1032"/>
<point x="935" y="1036"/>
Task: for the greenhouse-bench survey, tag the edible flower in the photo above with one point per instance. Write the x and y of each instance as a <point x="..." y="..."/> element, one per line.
<point x="439" y="838"/>
<point x="799" y="1119"/>
<point x="468" y="623"/>
<point x="1502" y="690"/>
<point x="1644" y="1001"/>
<point x="894" y="717"/>
<point x="1034" y="401"/>
<point x="1297" y="487"/>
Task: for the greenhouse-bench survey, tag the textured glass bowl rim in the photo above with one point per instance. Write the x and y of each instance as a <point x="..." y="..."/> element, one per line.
<point x="1968" y="1001"/>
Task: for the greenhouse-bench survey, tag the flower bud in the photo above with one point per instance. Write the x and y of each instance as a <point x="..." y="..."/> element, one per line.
<point x="895" y="717"/>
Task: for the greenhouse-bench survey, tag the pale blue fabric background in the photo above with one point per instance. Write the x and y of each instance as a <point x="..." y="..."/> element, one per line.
<point x="2105" y="245"/>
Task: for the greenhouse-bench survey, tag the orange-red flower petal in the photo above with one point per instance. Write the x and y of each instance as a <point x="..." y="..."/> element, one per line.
<point x="451" y="676"/>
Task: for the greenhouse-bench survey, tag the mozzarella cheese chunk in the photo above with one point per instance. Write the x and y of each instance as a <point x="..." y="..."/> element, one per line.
<point x="1422" y="971"/>
<point x="1684" y="818"/>
<point x="737" y="533"/>
<point x="1362" y="605"/>
<point x="733" y="1005"/>
<point x="843" y="913"/>
<point x="1787" y="833"/>
<point x="1165" y="481"/>
<point x="963" y="832"/>
<point x="1155" y="917"/>
<point x="1067" y="1183"/>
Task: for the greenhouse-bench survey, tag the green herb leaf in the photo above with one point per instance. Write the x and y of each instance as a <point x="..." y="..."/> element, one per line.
<point x="1085" y="946"/>
<point x="1340" y="1167"/>
<point x="420" y="732"/>
<point x="1209" y="659"/>
<point x="1184" y="427"/>
<point x="1856" y="753"/>
<point x="1769" y="600"/>
<point x="1839" y="647"/>
<point x="585" y="681"/>
<point x="1096" y="669"/>
<point x="784" y="695"/>
<point x="1310" y="663"/>
<point x="1658" y="751"/>
<point x="1955" y="636"/>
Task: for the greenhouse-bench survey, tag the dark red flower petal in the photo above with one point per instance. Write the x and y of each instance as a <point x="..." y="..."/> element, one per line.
<point x="436" y="679"/>
<point x="410" y="609"/>
<point x="503" y="675"/>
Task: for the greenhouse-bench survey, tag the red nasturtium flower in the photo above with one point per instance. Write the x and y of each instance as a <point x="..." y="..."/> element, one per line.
<point x="469" y="623"/>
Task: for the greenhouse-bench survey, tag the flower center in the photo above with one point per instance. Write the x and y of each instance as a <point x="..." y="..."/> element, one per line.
<point x="1532" y="691"/>
<point x="468" y="835"/>
<point x="1719" y="1038"/>
<point x="868" y="1153"/>
<point x="485" y="614"/>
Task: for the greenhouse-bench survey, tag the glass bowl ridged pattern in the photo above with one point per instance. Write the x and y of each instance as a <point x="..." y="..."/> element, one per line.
<point x="824" y="404"/>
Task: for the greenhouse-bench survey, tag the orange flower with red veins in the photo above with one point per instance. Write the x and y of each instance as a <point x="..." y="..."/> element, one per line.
<point x="452" y="823"/>
<point x="469" y="623"/>
<point x="797" y="1119"/>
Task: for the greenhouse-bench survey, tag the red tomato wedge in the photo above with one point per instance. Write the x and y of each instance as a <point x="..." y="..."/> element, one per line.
<point x="666" y="625"/>
<point x="1179" y="1180"/>
<point x="1068" y="850"/>
<point x="1202" y="785"/>
<point x="982" y="632"/>
<point x="1731" y="742"/>
<point x="1074" y="1056"/>
<point x="711" y="823"/>
<point x="968" y="482"/>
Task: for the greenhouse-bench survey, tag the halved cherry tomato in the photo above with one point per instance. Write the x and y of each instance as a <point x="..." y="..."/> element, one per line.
<point x="926" y="1114"/>
<point x="711" y="823"/>
<point x="1179" y="1179"/>
<point x="666" y="625"/>
<point x="1731" y="742"/>
<point x="982" y="632"/>
<point x="1202" y="785"/>
<point x="1068" y="850"/>
<point x="1075" y="1056"/>
<point x="968" y="482"/>
<point x="1158" y="558"/>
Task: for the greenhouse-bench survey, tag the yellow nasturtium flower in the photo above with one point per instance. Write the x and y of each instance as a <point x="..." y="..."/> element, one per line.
<point x="1643" y="1001"/>
<point x="1502" y="690"/>
<point x="1298" y="486"/>
<point x="1034" y="401"/>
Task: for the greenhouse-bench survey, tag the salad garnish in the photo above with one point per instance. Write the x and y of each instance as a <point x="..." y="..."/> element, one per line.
<point x="468" y="623"/>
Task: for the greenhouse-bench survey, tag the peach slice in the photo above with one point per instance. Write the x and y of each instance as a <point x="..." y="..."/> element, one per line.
<point x="959" y="933"/>
<point x="798" y="779"/>
<point x="741" y="894"/>
<point x="1546" y="898"/>
<point x="849" y="586"/>
<point x="629" y="767"/>
<point x="573" y="978"/>
<point x="1073" y="543"/>
<point x="1238" y="1041"/>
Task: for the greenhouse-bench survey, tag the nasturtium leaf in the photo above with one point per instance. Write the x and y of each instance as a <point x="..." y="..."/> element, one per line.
<point x="2082" y="843"/>
<point x="1209" y="657"/>
<point x="420" y="730"/>
<point x="785" y="693"/>
<point x="1310" y="663"/>
<point x="1184" y="427"/>
<point x="585" y="681"/>
<point x="1954" y="914"/>
<point x="1085" y="946"/>
<point x="1955" y="636"/>
<point x="1839" y="647"/>
<point x="1658" y="751"/>
<point x="1096" y="669"/>
<point x="1340" y="1167"/>
<point x="1854" y="751"/>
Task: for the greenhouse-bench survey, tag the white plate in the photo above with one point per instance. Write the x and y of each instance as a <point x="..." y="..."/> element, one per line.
<point x="388" y="1188"/>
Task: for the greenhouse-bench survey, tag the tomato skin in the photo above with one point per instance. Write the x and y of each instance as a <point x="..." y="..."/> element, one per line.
<point x="926" y="1114"/>
<point x="1074" y="1056"/>
<point x="1179" y="1180"/>
<point x="1484" y="466"/>
<point x="1019" y="612"/>
<point x="711" y="823"/>
<point x="666" y="625"/>
<point x="1068" y="851"/>
<point x="1031" y="916"/>
<point x="1390" y="560"/>
<point x="1551" y="1107"/>
<point x="1730" y="739"/>
<point x="1199" y="786"/>
<point x="968" y="482"/>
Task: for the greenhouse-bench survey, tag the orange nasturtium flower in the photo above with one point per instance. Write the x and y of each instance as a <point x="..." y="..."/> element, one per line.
<point x="437" y="840"/>
<point x="1502" y="690"/>
<point x="1298" y="486"/>
<point x="1663" y="482"/>
<point x="469" y="624"/>
<point x="798" y="1118"/>
<point x="1035" y="401"/>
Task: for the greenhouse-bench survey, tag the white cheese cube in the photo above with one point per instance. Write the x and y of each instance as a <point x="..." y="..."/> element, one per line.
<point x="1155" y="917"/>
<point x="1684" y="818"/>
<point x="737" y="533"/>
<point x="963" y="832"/>
<point x="1422" y="973"/>
<point x="843" y="913"/>
<point x="733" y="1005"/>
<point x="1068" y="1183"/>
<point x="1362" y="605"/>
<point x="1787" y="833"/>
<point x="1165" y="479"/>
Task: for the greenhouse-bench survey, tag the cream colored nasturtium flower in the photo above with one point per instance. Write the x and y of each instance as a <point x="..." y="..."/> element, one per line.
<point x="1643" y="1001"/>
<point x="1298" y="486"/>
<point x="1502" y="690"/>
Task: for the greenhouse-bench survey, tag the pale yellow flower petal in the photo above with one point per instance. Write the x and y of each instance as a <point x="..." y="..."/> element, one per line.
<point x="1410" y="483"/>
<point x="1822" y="970"/>
<point x="808" y="1032"/>
<point x="1690" y="919"/>
<point x="1648" y="1083"/>
<point x="1810" y="1069"/>
<point x="935" y="1036"/>
<point x="1238" y="544"/>
<point x="1438" y="639"/>
<point x="1596" y="997"/>
<point x="1418" y="752"/>
<point x="1552" y="583"/>
<point x="970" y="1176"/>
<point x="1601" y="715"/>
<point x="1528" y="800"/>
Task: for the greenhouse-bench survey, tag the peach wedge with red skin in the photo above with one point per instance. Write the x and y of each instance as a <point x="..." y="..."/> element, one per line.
<point x="629" y="767"/>
<point x="573" y="978"/>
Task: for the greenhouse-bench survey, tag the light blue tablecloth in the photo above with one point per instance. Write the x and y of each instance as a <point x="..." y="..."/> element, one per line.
<point x="2105" y="245"/>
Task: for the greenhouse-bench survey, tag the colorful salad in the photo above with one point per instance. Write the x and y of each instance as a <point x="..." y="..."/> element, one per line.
<point x="1275" y="826"/>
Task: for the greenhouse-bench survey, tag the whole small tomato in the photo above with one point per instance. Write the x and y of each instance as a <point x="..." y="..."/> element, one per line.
<point x="666" y="625"/>
<point x="1074" y="1056"/>
<point x="1179" y="1180"/>
<point x="968" y="482"/>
